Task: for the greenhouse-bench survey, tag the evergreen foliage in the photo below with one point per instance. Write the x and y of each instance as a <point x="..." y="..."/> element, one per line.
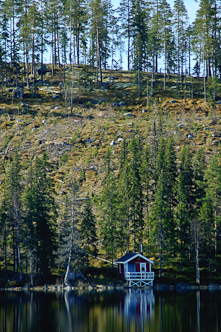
<point x="165" y="199"/>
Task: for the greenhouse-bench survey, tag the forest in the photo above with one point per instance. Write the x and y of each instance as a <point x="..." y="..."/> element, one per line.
<point x="159" y="181"/>
<point x="148" y="197"/>
<point x="151" y="35"/>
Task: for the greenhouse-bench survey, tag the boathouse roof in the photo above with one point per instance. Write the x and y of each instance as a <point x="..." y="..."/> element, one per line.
<point x="130" y="256"/>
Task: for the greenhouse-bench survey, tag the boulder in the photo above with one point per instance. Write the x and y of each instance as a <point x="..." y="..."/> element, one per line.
<point x="128" y="114"/>
<point x="41" y="69"/>
<point x="112" y="143"/>
<point x="18" y="93"/>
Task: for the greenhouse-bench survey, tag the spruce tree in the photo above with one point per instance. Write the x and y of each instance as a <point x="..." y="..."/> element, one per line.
<point x="135" y="193"/>
<point x="213" y="195"/>
<point x="124" y="207"/>
<point x="159" y="217"/>
<point x="206" y="216"/>
<point x="88" y="229"/>
<point x="14" y="209"/>
<point x="170" y="178"/>
<point x="185" y="203"/>
<point x="147" y="175"/>
<point x="108" y="218"/>
<point x="69" y="255"/>
<point x="40" y="215"/>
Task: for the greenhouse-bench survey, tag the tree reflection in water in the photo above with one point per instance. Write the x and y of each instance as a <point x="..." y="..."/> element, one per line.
<point x="110" y="311"/>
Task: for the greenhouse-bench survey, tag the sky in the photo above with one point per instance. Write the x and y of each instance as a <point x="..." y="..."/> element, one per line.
<point x="191" y="6"/>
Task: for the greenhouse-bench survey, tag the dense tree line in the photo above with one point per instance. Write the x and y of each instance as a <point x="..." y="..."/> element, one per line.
<point x="151" y="33"/>
<point x="39" y="232"/>
<point x="151" y="195"/>
<point x="168" y="203"/>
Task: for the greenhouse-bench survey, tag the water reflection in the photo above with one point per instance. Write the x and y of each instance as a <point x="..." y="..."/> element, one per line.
<point x="110" y="311"/>
<point x="138" y="303"/>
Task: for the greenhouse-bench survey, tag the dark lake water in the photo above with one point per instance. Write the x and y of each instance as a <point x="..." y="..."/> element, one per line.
<point x="110" y="311"/>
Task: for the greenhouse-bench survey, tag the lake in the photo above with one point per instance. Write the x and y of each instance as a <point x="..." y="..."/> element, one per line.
<point x="110" y="311"/>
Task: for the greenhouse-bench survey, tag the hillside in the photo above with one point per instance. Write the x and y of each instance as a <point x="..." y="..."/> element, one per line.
<point x="77" y="121"/>
<point x="77" y="143"/>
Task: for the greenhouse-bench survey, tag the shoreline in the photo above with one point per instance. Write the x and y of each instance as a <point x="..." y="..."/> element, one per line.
<point x="180" y="287"/>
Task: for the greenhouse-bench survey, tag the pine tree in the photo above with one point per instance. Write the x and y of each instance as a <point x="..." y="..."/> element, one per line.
<point x="30" y="36"/>
<point x="12" y="9"/>
<point x="54" y="12"/>
<point x="203" y="42"/>
<point x="165" y="18"/>
<point x="126" y="6"/>
<point x="180" y="21"/>
<point x="155" y="36"/>
<point x="99" y="36"/>
<point x="77" y="17"/>
<point x="140" y="35"/>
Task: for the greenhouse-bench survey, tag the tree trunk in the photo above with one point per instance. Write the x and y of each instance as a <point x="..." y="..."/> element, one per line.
<point x="98" y="57"/>
<point x="78" y="44"/>
<point x="165" y="63"/>
<point x="5" y="253"/>
<point x="160" y="253"/>
<point x="197" y="254"/>
<point x="27" y="73"/>
<point x="18" y="244"/>
<point x="70" y="42"/>
<point x="68" y="268"/>
<point x="204" y="73"/>
<point x="139" y="82"/>
<point x="128" y="37"/>
<point x="52" y="52"/>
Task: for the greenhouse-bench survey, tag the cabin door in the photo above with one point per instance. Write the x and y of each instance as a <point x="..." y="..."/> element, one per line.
<point x="143" y="267"/>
